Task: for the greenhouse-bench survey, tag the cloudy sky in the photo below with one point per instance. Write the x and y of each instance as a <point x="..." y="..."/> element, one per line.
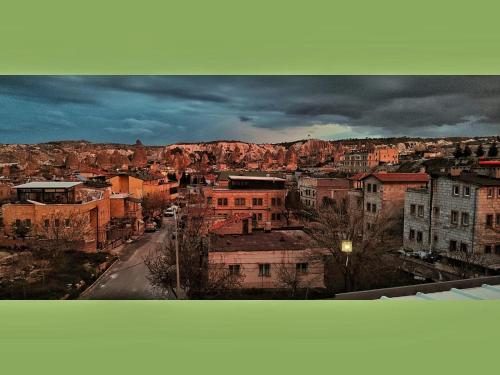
<point x="169" y="109"/>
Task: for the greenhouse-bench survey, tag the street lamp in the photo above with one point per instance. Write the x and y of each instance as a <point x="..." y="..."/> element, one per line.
<point x="346" y="247"/>
<point x="177" y="268"/>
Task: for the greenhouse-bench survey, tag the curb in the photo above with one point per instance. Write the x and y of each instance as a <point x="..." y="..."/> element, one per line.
<point x="86" y="291"/>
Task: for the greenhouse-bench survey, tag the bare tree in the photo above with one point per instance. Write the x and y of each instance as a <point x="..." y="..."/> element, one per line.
<point x="198" y="277"/>
<point x="369" y="264"/>
<point x="153" y="204"/>
<point x="465" y="263"/>
<point x="64" y="232"/>
<point x="292" y="204"/>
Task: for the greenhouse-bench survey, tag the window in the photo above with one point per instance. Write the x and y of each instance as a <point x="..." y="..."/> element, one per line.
<point x="412" y="234"/>
<point x="257" y="201"/>
<point x="234" y="269"/>
<point x="465" y="218"/>
<point x="209" y="200"/>
<point x="301" y="267"/>
<point x="259" y="216"/>
<point x="273" y="201"/>
<point x="27" y="223"/>
<point x="374" y="207"/>
<point x="46" y="223"/>
<point x="368" y="207"/>
<point x="454" y="217"/>
<point x="419" y="236"/>
<point x="239" y="201"/>
<point x="487" y="249"/>
<point x="57" y="222"/>
<point x="464" y="248"/>
<point x="436" y="211"/>
<point x="412" y="209"/>
<point x="498" y="192"/>
<point x="374" y="188"/>
<point x="278" y="201"/>
<point x="456" y="190"/>
<point x="466" y="191"/>
<point x="489" y="221"/>
<point x="498" y="219"/>
<point x="497" y="249"/>
<point x="265" y="269"/>
<point x="435" y="239"/>
<point x="67" y="223"/>
<point x="453" y="245"/>
<point x="18" y="222"/>
<point x="369" y="188"/>
<point x="222" y="201"/>
<point x="276" y="216"/>
<point x="490" y="193"/>
<point x="420" y="210"/>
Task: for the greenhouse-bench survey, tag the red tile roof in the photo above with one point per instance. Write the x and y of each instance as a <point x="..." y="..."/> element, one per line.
<point x="399" y="177"/>
<point x="358" y="176"/>
<point x="231" y="220"/>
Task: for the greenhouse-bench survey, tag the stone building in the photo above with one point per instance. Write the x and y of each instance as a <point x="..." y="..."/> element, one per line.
<point x="316" y="191"/>
<point x="460" y="212"/>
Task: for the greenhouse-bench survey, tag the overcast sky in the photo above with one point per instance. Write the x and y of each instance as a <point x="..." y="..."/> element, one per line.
<point x="169" y="109"/>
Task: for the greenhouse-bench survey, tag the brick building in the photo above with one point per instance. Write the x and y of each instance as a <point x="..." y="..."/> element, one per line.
<point x="261" y="197"/>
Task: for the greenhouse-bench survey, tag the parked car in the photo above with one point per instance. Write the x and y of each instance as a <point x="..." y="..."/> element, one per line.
<point x="169" y="212"/>
<point x="150" y="226"/>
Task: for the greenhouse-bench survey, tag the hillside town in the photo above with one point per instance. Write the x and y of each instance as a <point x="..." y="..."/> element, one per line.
<point x="236" y="220"/>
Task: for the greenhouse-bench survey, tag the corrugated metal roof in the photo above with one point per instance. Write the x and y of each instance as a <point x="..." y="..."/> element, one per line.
<point x="48" y="185"/>
<point x="484" y="292"/>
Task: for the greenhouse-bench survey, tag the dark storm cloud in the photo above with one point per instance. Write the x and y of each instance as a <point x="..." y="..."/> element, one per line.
<point x="162" y="109"/>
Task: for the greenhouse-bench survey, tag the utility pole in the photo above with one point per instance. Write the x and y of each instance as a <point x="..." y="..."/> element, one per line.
<point x="177" y="268"/>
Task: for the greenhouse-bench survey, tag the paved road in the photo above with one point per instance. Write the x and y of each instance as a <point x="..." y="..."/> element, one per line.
<point x="127" y="278"/>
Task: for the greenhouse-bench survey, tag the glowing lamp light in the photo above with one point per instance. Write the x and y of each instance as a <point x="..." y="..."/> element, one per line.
<point x="347" y="246"/>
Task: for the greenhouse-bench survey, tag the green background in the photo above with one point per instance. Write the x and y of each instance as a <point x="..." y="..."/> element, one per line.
<point x="252" y="37"/>
<point x="229" y="36"/>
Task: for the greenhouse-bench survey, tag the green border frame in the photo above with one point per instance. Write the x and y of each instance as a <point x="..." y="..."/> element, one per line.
<point x="252" y="37"/>
<point x="257" y="37"/>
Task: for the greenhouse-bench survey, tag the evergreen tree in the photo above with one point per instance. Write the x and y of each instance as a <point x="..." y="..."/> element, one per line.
<point x="467" y="151"/>
<point x="480" y="151"/>
<point x="458" y="151"/>
<point x="493" y="150"/>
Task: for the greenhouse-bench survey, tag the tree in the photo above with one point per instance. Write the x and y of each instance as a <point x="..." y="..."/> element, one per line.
<point x="199" y="278"/>
<point x="458" y="151"/>
<point x="466" y="263"/>
<point x="369" y="265"/>
<point x="493" y="150"/>
<point x="21" y="229"/>
<point x="467" y="151"/>
<point x="292" y="204"/>
<point x="289" y="276"/>
<point x="480" y="151"/>
<point x="154" y="204"/>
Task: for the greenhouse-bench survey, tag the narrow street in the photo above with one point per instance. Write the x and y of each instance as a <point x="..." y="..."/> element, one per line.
<point x="127" y="278"/>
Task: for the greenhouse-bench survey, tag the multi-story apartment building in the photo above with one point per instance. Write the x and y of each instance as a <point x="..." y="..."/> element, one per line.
<point x="43" y="206"/>
<point x="384" y="194"/>
<point x="316" y="191"/>
<point x="456" y="212"/>
<point x="365" y="161"/>
<point x="261" y="197"/>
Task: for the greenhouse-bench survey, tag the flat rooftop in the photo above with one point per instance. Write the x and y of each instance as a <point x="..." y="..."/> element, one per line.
<point x="48" y="185"/>
<point x="276" y="240"/>
<point x="256" y="178"/>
